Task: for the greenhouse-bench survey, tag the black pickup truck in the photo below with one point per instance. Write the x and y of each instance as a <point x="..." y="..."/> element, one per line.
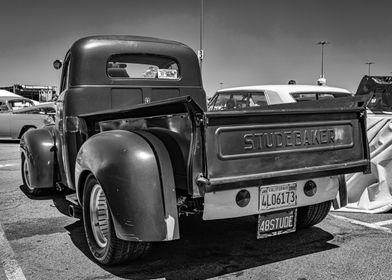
<point x="134" y="141"/>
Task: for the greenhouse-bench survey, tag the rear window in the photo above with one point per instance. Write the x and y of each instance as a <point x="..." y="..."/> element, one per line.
<point x="307" y="96"/>
<point x="227" y="101"/>
<point x="143" y="66"/>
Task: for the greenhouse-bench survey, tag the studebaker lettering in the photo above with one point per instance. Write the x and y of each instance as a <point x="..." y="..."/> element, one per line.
<point x="283" y="139"/>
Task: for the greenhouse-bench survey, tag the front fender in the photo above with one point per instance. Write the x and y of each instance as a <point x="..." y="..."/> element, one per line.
<point x="135" y="173"/>
<point x="38" y="148"/>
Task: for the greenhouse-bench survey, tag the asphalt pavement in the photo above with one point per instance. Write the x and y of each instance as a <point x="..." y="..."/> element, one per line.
<point x="38" y="241"/>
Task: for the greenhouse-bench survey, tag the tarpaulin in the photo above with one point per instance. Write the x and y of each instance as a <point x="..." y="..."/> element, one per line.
<point x="372" y="193"/>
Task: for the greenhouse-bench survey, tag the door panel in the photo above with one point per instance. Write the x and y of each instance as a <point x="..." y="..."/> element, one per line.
<point x="5" y="124"/>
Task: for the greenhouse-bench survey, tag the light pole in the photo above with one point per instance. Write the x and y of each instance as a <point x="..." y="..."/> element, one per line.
<point x="322" y="43"/>
<point x="369" y="63"/>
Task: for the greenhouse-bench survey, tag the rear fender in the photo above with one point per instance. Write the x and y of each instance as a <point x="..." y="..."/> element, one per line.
<point x="135" y="172"/>
<point x="341" y="199"/>
<point x="38" y="148"/>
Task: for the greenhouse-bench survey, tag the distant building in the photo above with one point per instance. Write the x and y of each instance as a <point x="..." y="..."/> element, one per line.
<point x="38" y="93"/>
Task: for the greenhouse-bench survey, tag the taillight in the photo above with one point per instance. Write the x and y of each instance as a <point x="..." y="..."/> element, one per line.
<point x="242" y="198"/>
<point x="310" y="188"/>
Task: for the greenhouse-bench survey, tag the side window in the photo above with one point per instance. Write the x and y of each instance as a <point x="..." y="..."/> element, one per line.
<point x="322" y="96"/>
<point x="20" y="104"/>
<point x="300" y="96"/>
<point x="143" y="66"/>
<point x="259" y="99"/>
<point x="3" y="107"/>
<point x="227" y="101"/>
<point x="306" y="96"/>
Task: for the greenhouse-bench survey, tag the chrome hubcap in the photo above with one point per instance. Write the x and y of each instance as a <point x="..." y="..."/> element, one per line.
<point x="99" y="216"/>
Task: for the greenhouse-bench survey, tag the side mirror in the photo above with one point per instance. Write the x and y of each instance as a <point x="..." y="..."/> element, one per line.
<point x="57" y="64"/>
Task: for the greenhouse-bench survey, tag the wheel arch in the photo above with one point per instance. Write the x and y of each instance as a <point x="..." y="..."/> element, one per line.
<point x="37" y="147"/>
<point x="24" y="129"/>
<point x="80" y="184"/>
<point x="133" y="168"/>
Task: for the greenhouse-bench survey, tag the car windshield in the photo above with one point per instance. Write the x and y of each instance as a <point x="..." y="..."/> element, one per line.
<point x="227" y="101"/>
<point x="17" y="104"/>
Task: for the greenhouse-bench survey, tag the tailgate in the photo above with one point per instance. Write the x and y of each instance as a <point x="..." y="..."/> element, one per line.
<point x="285" y="142"/>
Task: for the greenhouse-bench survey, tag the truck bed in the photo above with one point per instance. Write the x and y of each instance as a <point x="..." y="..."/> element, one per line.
<point x="232" y="149"/>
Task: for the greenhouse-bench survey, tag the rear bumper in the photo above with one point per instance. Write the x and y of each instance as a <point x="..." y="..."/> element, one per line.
<point x="222" y="205"/>
<point x="327" y="171"/>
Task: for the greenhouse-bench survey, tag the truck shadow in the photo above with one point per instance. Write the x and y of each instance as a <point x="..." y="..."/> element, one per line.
<point x="206" y="249"/>
<point x="212" y="248"/>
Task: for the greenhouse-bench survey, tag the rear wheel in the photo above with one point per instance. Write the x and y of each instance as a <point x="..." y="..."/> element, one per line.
<point x="26" y="178"/>
<point x="100" y="234"/>
<point x="313" y="214"/>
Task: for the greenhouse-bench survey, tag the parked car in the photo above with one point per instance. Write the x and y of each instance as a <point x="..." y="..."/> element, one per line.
<point x="18" y="115"/>
<point x="6" y="93"/>
<point x="47" y="108"/>
<point x="253" y="96"/>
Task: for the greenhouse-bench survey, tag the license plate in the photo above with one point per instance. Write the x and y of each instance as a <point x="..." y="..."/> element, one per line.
<point x="276" y="223"/>
<point x="278" y="196"/>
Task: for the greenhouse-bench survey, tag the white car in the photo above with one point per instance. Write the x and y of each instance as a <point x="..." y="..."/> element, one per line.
<point x="251" y="96"/>
<point x="19" y="114"/>
<point x="331" y="188"/>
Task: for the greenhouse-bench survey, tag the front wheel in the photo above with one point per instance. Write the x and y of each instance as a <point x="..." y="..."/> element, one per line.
<point x="26" y="178"/>
<point x="313" y="214"/>
<point x="100" y="234"/>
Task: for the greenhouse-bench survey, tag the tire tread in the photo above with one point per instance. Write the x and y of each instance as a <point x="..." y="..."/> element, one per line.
<point x="118" y="251"/>
<point x="313" y="214"/>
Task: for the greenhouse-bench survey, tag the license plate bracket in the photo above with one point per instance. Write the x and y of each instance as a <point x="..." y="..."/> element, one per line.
<point x="276" y="223"/>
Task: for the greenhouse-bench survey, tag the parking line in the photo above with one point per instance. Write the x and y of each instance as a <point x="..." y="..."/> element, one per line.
<point x="383" y="223"/>
<point x="7" y="258"/>
<point x="368" y="225"/>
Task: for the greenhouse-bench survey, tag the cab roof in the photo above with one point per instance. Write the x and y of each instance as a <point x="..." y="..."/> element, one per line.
<point x="89" y="57"/>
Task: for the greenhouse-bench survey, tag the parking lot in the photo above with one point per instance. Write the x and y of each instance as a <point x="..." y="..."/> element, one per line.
<point x="37" y="241"/>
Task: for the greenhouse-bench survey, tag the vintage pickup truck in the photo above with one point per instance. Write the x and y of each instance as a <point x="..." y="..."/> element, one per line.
<point x="134" y="140"/>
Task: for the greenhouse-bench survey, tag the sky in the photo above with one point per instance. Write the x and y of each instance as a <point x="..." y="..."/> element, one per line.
<point x="246" y="42"/>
